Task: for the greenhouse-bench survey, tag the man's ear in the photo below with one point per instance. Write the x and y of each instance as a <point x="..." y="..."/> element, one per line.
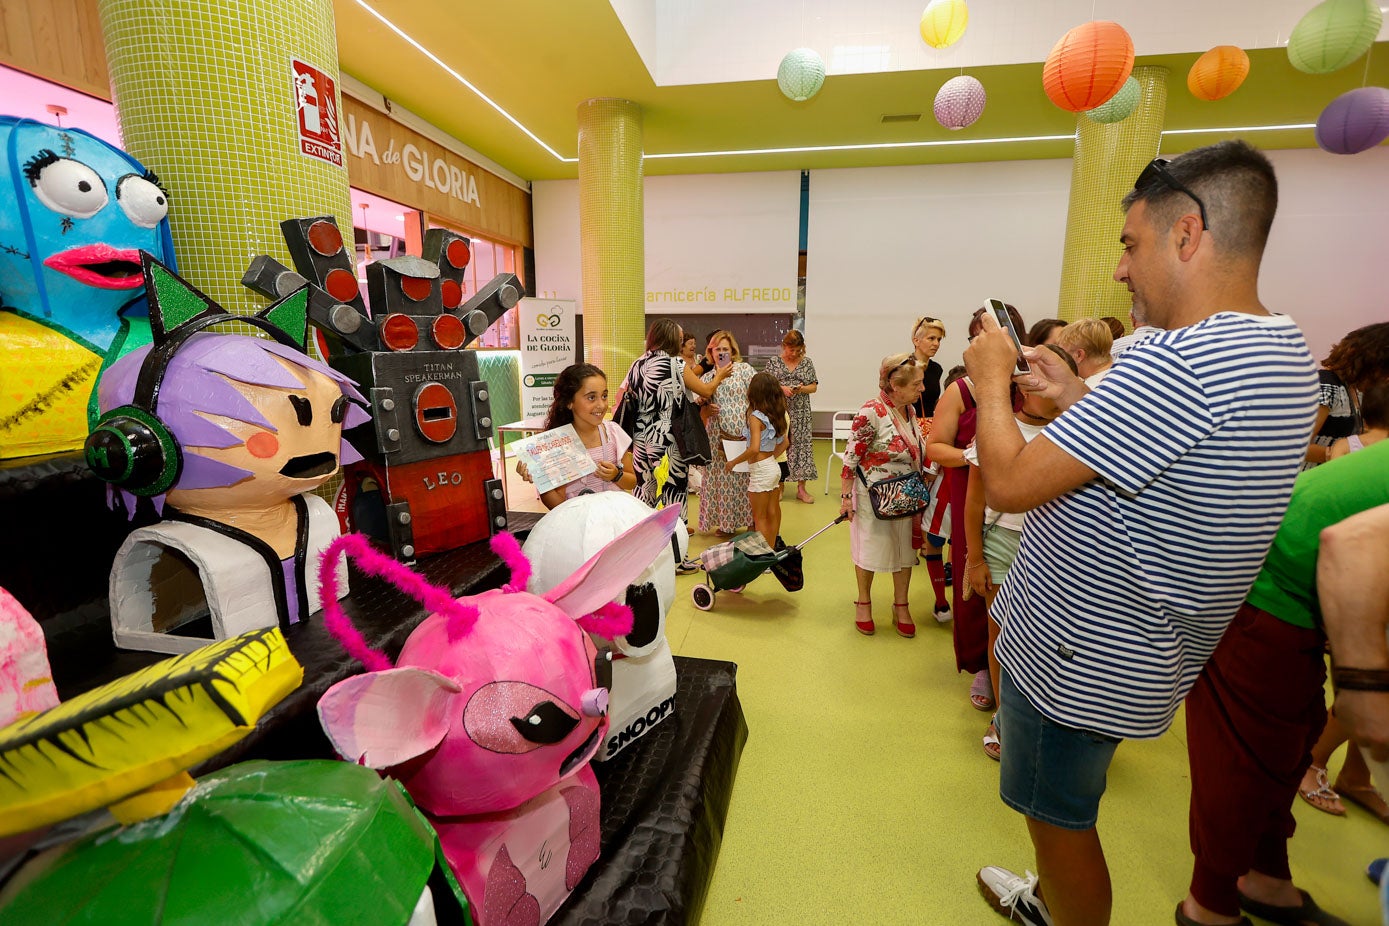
<point x="1189" y="236"/>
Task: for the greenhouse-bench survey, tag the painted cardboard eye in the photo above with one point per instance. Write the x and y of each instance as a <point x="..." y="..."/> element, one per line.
<point x="143" y="202"/>
<point x="447" y="331"/>
<point x="325" y="238"/>
<point x="71" y="188"/>
<point x="399" y="332"/>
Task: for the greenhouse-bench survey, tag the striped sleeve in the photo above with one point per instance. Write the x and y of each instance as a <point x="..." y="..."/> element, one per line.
<point x="1146" y="414"/>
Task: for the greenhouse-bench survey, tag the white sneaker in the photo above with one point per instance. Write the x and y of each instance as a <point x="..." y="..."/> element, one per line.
<point x="944" y="616"/>
<point x="1013" y="896"/>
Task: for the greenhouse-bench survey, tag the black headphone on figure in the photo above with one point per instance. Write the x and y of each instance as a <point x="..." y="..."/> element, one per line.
<point x="130" y="447"/>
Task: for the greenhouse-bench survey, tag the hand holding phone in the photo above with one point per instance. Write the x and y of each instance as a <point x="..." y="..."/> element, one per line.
<point x="1005" y="321"/>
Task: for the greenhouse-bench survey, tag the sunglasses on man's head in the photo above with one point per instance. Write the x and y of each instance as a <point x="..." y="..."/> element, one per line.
<point x="1157" y="170"/>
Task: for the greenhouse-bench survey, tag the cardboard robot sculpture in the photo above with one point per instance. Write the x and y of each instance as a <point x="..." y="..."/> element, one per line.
<point x="643" y="690"/>
<point x="310" y="842"/>
<point x="226" y="434"/>
<point x="427" y="484"/>
<point x="74" y="214"/>
<point x="491" y="715"/>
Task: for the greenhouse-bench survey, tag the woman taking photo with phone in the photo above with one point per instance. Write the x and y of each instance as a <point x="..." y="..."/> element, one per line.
<point x="723" y="499"/>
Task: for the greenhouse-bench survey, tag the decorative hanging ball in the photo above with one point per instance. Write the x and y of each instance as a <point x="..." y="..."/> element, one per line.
<point x="1354" y="121"/>
<point x="943" y="22"/>
<point x="1333" y="34"/>
<point x="959" y="102"/>
<point x="1218" y="73"/>
<point x="1088" y="66"/>
<point x="801" y="74"/>
<point x="1120" y="106"/>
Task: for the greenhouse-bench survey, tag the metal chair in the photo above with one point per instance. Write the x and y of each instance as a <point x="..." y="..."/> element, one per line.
<point x="841" y="429"/>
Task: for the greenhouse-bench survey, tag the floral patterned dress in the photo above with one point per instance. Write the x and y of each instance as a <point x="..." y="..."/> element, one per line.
<point x="723" y="499"/>
<point x="800" y="452"/>
<point x="878" y="448"/>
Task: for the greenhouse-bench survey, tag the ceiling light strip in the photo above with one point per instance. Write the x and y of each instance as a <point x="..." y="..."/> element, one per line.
<point x="957" y="141"/>
<point x="463" y="80"/>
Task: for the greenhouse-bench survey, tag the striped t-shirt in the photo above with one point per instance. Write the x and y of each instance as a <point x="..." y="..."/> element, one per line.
<point x="1123" y="587"/>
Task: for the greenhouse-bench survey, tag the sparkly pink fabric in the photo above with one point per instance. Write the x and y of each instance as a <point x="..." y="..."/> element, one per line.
<point x="26" y="682"/>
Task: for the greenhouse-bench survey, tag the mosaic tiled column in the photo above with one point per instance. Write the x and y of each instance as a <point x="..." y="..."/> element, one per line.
<point x="205" y="93"/>
<point x="1108" y="158"/>
<point x="610" y="234"/>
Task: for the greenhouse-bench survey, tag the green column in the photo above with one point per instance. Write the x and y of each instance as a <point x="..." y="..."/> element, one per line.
<point x="1108" y="158"/>
<point x="613" y="258"/>
<point x="205" y="94"/>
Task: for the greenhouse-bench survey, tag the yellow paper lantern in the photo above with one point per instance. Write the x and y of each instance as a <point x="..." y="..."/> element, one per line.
<point x="943" y="22"/>
<point x="1218" y="73"/>
<point x="1088" y="66"/>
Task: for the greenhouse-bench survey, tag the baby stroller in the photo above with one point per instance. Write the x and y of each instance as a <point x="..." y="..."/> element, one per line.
<point x="732" y="565"/>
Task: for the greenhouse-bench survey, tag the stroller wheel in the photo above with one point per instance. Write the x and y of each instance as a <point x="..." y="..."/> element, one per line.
<point x="702" y="596"/>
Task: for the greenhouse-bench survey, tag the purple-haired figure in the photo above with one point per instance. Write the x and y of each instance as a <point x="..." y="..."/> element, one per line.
<point x="258" y="425"/>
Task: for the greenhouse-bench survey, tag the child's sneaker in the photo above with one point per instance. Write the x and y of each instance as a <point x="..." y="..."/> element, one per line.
<point x="687" y="566"/>
<point x="1013" y="896"/>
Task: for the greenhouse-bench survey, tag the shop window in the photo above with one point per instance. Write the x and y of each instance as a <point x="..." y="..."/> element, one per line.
<point x="489" y="259"/>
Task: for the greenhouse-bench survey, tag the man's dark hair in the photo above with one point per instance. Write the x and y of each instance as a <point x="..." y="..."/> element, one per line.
<point x="1234" y="180"/>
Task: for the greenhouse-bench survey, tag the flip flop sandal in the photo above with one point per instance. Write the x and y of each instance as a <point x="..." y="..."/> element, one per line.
<point x="981" y="696"/>
<point x="992" y="748"/>
<point x="1368" y="798"/>
<point x="1307" y="912"/>
<point x="1322" y="797"/>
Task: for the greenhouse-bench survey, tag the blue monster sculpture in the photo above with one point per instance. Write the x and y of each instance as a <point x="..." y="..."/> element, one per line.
<point x="74" y="214"/>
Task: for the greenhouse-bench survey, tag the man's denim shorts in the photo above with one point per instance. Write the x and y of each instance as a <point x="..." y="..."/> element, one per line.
<point x="1052" y="773"/>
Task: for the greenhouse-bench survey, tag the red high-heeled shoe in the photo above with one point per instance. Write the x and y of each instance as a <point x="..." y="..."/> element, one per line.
<point x="865" y="627"/>
<point x="904" y="628"/>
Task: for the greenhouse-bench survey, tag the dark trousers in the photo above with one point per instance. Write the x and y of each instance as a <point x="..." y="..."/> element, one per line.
<point x="971" y="627"/>
<point x="1252" y="720"/>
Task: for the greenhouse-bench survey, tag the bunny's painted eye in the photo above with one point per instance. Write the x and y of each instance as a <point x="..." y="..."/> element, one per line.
<point x="546" y="724"/>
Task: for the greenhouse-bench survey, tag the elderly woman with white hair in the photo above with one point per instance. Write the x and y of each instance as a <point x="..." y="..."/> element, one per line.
<point x="886" y="442"/>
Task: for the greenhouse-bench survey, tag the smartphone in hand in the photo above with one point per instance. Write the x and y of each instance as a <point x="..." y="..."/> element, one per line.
<point x="1005" y="321"/>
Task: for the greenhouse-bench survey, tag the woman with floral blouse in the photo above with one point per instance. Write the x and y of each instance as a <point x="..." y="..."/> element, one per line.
<point x="796" y="374"/>
<point x="886" y="442"/>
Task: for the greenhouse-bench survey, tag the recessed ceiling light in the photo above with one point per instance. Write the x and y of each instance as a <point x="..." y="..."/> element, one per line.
<point x="400" y="218"/>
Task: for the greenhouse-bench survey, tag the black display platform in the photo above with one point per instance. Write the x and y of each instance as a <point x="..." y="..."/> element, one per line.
<point x="665" y="797"/>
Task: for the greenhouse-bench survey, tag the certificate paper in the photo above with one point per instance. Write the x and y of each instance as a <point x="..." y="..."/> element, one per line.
<point x="555" y="458"/>
<point x="732" y="450"/>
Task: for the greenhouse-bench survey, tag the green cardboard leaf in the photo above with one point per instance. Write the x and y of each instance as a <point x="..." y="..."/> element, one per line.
<point x="291" y="315"/>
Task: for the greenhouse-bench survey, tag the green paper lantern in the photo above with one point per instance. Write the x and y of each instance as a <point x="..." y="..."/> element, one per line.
<point x="1120" y="106"/>
<point x="1333" y="34"/>
<point x="801" y="74"/>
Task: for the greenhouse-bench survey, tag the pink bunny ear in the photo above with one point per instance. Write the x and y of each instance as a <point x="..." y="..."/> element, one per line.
<point x="608" y="573"/>
<point x="382" y="719"/>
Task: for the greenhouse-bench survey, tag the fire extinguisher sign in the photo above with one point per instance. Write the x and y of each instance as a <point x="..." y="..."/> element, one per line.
<point x="315" y="97"/>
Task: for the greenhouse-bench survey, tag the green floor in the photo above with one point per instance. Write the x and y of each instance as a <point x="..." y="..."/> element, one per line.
<point x="863" y="796"/>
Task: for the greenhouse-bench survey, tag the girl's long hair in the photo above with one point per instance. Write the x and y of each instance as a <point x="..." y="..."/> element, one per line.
<point x="765" y="396"/>
<point x="567" y="385"/>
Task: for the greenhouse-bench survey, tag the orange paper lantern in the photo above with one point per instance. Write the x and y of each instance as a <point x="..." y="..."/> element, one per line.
<point x="1088" y="66"/>
<point x="1218" y="73"/>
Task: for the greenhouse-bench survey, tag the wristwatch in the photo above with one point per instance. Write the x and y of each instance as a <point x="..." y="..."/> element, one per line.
<point x="620" y="471"/>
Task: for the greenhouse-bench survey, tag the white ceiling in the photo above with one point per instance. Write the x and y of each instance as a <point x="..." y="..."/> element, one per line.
<point x="718" y="41"/>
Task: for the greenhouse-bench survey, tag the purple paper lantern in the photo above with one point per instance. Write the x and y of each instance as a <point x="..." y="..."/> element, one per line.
<point x="959" y="102"/>
<point x="1354" y="121"/>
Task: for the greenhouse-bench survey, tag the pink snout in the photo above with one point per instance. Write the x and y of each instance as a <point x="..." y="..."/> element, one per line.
<point x="595" y="702"/>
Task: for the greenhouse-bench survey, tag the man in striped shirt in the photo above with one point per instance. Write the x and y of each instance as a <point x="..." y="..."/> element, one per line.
<point x="1151" y="501"/>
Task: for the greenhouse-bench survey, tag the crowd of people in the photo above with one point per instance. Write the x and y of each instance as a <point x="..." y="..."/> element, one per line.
<point x="1134" y="524"/>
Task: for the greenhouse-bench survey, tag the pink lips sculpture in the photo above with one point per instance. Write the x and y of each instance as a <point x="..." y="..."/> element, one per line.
<point x="100" y="265"/>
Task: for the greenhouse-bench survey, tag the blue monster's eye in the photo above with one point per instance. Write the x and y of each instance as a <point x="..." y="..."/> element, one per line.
<point x="144" y="202"/>
<point x="69" y="187"/>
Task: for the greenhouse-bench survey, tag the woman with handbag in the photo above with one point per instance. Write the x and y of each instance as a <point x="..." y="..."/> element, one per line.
<point x="881" y="487"/>
<point x="656" y="383"/>
<point x="723" y="500"/>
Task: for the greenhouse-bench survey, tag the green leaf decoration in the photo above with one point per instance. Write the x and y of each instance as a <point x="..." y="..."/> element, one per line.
<point x="291" y="315"/>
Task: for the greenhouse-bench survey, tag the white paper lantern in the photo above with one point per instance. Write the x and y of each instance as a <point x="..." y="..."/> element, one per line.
<point x="959" y="102"/>
<point x="801" y="74"/>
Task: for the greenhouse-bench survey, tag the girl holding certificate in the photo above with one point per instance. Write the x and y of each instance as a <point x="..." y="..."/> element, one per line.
<point x="581" y="400"/>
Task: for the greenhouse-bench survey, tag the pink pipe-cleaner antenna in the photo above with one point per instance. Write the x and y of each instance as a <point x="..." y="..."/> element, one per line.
<point x="506" y="547"/>
<point x="461" y="617"/>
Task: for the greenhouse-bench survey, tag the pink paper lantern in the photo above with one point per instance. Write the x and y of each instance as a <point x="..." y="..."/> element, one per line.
<point x="1354" y="121"/>
<point x="959" y="102"/>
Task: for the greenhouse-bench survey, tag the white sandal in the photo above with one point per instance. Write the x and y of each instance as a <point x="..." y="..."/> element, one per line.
<point x="1322" y="797"/>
